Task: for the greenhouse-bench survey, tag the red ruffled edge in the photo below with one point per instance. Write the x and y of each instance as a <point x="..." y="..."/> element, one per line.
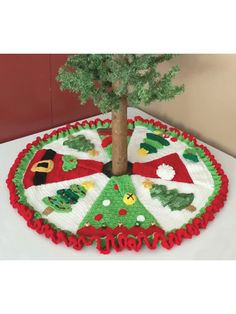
<point x="120" y="237"/>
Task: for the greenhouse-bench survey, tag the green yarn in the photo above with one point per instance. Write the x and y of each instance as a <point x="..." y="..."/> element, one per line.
<point x="158" y="138"/>
<point x="57" y="204"/>
<point x="79" y="142"/>
<point x="148" y="147"/>
<point x="171" y="198"/>
<point x="68" y="196"/>
<point x="191" y="154"/>
<point x="62" y="201"/>
<point x="37" y="215"/>
<point x="155" y="144"/>
<point x="191" y="157"/>
<point x="108" y="150"/>
<point x="69" y="162"/>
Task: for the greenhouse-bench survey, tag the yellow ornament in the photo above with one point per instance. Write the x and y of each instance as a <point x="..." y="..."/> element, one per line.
<point x="158" y="132"/>
<point x="93" y="152"/>
<point x="147" y="184"/>
<point x="142" y="152"/>
<point x="129" y="198"/>
<point x="88" y="185"/>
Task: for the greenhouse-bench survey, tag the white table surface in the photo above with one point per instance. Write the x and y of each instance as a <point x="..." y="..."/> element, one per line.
<point x="17" y="241"/>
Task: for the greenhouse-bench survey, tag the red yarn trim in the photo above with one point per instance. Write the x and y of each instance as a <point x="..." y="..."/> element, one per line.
<point x="120" y="237"/>
<point x="106" y="141"/>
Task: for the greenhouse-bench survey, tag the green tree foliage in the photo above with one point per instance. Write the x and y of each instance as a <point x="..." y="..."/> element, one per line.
<point x="79" y="142"/>
<point x="171" y="198"/>
<point x="105" y="78"/>
<point x="62" y="201"/>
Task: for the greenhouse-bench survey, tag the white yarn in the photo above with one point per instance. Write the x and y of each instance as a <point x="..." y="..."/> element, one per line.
<point x="140" y="218"/>
<point x="106" y="202"/>
<point x="165" y="172"/>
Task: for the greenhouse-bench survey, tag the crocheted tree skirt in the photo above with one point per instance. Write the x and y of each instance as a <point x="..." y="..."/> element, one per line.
<point x="62" y="185"/>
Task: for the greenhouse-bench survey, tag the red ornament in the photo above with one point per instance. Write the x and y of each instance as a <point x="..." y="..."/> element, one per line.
<point x="98" y="217"/>
<point x="116" y="187"/>
<point x="122" y="212"/>
<point x="173" y="139"/>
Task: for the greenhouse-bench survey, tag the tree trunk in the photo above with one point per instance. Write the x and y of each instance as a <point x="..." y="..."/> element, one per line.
<point x="47" y="211"/>
<point x="119" y="139"/>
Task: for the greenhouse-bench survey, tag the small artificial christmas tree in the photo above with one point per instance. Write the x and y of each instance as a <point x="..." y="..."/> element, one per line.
<point x="114" y="82"/>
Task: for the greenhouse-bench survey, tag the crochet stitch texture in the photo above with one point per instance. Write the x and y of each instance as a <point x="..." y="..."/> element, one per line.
<point x="85" y="206"/>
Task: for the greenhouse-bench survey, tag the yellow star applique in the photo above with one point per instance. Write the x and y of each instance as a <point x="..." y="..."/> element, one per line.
<point x="88" y="185"/>
<point x="158" y="132"/>
<point x="93" y="152"/>
<point x="142" y="152"/>
<point x="147" y="184"/>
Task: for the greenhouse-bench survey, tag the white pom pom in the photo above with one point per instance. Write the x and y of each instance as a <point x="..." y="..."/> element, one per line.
<point x="140" y="218"/>
<point x="165" y="172"/>
<point x="106" y="202"/>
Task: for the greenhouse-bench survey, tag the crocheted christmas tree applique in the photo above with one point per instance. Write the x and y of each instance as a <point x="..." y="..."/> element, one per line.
<point x="191" y="154"/>
<point x="151" y="143"/>
<point x="64" y="198"/>
<point x="105" y="135"/>
<point x="81" y="144"/>
<point x="171" y="198"/>
<point x="118" y="205"/>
